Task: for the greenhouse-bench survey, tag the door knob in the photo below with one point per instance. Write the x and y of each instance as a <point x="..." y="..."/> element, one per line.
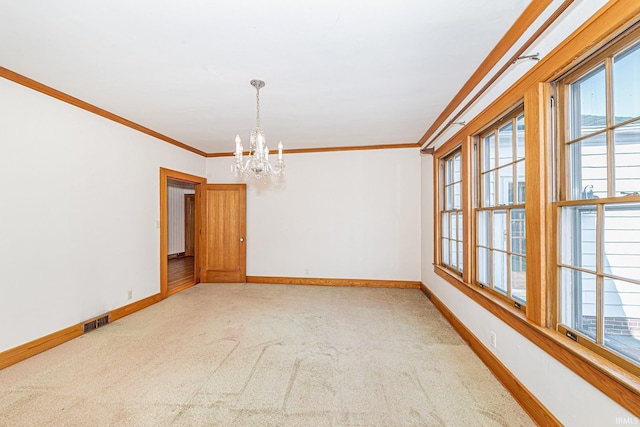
<point x="241" y="239"/>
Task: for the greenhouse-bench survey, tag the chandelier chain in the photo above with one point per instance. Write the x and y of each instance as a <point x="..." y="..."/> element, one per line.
<point x="258" y="107"/>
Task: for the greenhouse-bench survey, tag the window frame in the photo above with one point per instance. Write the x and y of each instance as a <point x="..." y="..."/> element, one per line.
<point x="443" y="211"/>
<point x="613" y="20"/>
<point x="567" y="192"/>
<point x="513" y="203"/>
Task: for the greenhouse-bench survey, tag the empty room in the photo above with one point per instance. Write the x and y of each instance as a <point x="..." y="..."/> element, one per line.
<point x="311" y="213"/>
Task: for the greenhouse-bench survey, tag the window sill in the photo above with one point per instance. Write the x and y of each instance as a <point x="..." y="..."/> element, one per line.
<point x="618" y="384"/>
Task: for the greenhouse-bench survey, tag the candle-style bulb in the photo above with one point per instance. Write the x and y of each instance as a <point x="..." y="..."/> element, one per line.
<point x="260" y="142"/>
<point x="238" y="146"/>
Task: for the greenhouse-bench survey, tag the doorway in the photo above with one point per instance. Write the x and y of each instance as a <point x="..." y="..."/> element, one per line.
<point x="180" y="218"/>
<point x="180" y="234"/>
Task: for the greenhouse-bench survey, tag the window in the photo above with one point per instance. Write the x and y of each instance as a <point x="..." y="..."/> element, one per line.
<point x="500" y="210"/>
<point x="599" y="206"/>
<point x="567" y="251"/>
<point x="451" y="253"/>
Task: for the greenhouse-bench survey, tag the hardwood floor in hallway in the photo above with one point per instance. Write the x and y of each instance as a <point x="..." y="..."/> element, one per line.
<point x="180" y="273"/>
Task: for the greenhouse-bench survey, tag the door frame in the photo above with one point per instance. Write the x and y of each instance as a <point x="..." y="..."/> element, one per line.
<point x="190" y="222"/>
<point x="165" y="175"/>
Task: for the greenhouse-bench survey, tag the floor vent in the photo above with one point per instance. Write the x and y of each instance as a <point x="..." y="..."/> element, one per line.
<point x="95" y="323"/>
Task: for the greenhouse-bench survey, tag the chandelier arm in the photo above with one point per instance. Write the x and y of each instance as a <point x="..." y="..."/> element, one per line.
<point x="256" y="164"/>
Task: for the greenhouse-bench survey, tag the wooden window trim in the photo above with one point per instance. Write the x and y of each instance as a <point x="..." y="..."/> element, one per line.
<point x="440" y="208"/>
<point x="603" y="58"/>
<point x="612" y="19"/>
<point x="476" y="207"/>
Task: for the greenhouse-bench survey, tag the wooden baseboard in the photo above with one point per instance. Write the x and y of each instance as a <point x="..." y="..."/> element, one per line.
<point x="177" y="255"/>
<point x="527" y="400"/>
<point x="399" y="284"/>
<point x="179" y="289"/>
<point x="25" y="351"/>
<point x="121" y="312"/>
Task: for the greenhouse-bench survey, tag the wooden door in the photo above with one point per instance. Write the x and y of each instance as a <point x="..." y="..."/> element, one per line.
<point x="189" y="224"/>
<point x="224" y="255"/>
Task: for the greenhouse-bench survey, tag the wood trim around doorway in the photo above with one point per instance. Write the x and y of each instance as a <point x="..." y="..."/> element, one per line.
<point x="166" y="174"/>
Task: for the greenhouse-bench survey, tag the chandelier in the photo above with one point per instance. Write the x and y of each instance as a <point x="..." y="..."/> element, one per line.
<point x="256" y="164"/>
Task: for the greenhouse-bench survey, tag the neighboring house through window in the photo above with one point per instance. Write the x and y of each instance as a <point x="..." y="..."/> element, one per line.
<point x="599" y="206"/>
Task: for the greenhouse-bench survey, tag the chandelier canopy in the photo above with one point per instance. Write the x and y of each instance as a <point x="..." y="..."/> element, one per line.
<point x="256" y="163"/>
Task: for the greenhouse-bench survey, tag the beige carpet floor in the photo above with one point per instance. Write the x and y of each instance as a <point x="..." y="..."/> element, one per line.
<point x="259" y="355"/>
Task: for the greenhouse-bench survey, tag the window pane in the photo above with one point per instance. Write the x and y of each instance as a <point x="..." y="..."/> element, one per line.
<point x="589" y="104"/>
<point x="579" y="236"/>
<point x="459" y="230"/>
<point x="626" y="85"/>
<point x="460" y="259"/>
<point x="500" y="271"/>
<point x="445" y="224"/>
<point x="489" y="153"/>
<point x="579" y="301"/>
<point x="622" y="317"/>
<point x="484" y="263"/>
<point x="520" y="188"/>
<point x="453" y="227"/>
<point x="483" y="226"/>
<point x="445" y="251"/>
<point x="505" y="185"/>
<point x="449" y="172"/>
<point x="453" y="249"/>
<point x="456" y="196"/>
<point x="448" y="197"/>
<point x="589" y="168"/>
<point x="518" y="277"/>
<point x="488" y="189"/>
<point x="520" y="137"/>
<point x="505" y="141"/>
<point x="627" y="159"/>
<point x="622" y="240"/>
<point x="518" y="240"/>
<point x="500" y="230"/>
<point x="456" y="167"/>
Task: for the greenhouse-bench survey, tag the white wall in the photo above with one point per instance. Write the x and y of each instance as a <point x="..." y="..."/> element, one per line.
<point x="79" y="213"/>
<point x="348" y="215"/>
<point x="572" y="400"/>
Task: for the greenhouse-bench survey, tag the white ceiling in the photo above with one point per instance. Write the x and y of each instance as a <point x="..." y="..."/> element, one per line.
<point x="337" y="72"/>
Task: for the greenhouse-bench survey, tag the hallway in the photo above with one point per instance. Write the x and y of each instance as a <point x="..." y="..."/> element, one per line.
<point x="179" y="273"/>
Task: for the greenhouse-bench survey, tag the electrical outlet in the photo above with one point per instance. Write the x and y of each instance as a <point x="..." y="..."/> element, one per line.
<point x="129" y="294"/>
<point x="493" y="339"/>
<point x="306" y="271"/>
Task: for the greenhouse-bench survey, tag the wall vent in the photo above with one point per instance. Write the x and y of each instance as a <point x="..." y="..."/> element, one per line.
<point x="95" y="323"/>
